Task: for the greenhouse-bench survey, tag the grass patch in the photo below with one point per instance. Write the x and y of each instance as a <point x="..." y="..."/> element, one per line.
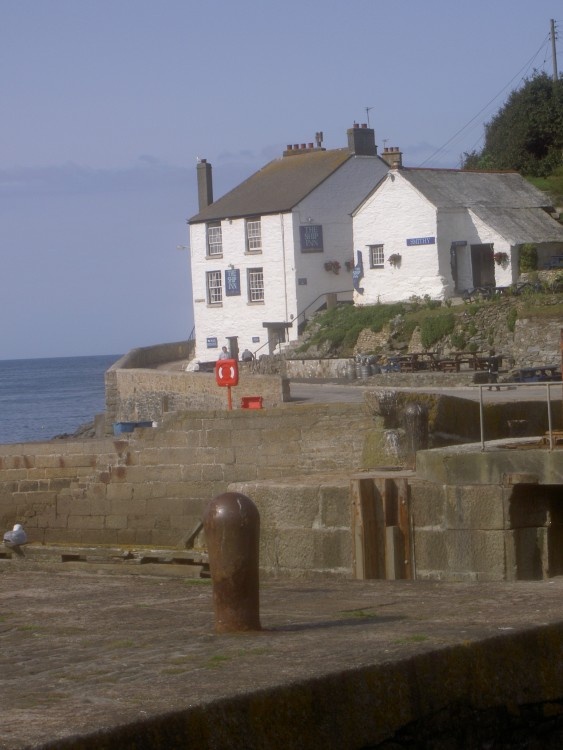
<point x="341" y="326"/>
<point x="125" y="643"/>
<point x="217" y="660"/>
<point x="360" y="614"/>
<point x="413" y="639"/>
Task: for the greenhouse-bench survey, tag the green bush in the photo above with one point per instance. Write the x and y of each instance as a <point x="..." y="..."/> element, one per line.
<point x="528" y="258"/>
<point x="511" y="319"/>
<point x="458" y="341"/>
<point x="435" y="327"/>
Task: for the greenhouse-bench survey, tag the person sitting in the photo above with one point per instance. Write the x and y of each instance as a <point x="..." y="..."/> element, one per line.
<point x="247" y="356"/>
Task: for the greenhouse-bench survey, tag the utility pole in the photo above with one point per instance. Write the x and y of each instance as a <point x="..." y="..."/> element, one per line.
<point x="553" y="50"/>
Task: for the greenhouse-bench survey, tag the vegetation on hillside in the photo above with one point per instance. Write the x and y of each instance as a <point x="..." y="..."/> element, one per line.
<point x="526" y="134"/>
<point x="336" y="331"/>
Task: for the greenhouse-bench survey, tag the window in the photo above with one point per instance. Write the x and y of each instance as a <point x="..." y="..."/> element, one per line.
<point x="256" y="285"/>
<point x="253" y="236"/>
<point x="214" y="239"/>
<point x="376" y="259"/>
<point x="214" y="288"/>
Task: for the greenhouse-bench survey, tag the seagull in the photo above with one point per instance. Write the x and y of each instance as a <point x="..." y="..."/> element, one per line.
<point x="15" y="538"/>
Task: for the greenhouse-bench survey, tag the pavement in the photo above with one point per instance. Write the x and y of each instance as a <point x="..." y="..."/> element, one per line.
<point x="98" y="658"/>
<point x="338" y="392"/>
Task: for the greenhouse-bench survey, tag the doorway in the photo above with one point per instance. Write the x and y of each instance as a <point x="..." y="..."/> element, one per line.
<point x="483" y="265"/>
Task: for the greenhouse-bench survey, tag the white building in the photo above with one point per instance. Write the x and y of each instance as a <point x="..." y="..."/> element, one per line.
<point x="278" y="247"/>
<point x="439" y="232"/>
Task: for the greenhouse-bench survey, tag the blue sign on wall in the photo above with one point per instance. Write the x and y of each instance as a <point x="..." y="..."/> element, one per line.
<point x="232" y="282"/>
<point x="422" y="241"/>
<point x="311" y="238"/>
<point x="256" y="339"/>
<point x="212" y="342"/>
<point x="358" y="273"/>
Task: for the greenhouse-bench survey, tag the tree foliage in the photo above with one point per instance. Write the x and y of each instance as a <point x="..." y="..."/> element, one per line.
<point x="527" y="132"/>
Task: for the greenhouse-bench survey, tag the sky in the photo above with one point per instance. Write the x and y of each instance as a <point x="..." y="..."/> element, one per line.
<point x="107" y="105"/>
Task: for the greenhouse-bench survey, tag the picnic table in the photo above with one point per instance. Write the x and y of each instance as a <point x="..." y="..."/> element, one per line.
<point x="424" y="361"/>
<point x="488" y="292"/>
<point x="544" y="374"/>
<point x="556" y="261"/>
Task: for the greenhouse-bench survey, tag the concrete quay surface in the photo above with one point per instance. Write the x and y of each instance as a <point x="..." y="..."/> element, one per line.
<point x="97" y="658"/>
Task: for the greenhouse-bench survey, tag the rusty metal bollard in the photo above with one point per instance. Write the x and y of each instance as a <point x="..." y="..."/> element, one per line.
<point x="232" y="528"/>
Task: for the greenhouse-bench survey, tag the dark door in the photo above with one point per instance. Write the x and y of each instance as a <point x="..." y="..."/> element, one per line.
<point x="483" y="265"/>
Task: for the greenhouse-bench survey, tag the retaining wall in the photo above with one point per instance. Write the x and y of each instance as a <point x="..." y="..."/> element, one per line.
<point x="150" y="487"/>
<point x="134" y="395"/>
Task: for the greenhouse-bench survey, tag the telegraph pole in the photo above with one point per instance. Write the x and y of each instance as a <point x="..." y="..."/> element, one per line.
<point x="553" y="50"/>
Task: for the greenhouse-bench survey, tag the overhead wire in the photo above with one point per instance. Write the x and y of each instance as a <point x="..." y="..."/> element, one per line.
<point x="520" y="73"/>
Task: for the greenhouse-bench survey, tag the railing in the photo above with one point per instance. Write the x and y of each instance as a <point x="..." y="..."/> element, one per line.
<point x="321" y="296"/>
<point x="547" y="386"/>
<point x="303" y="313"/>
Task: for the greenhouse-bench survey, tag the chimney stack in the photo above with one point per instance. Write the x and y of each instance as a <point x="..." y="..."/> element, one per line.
<point x="361" y="140"/>
<point x="204" y="184"/>
<point x="393" y="156"/>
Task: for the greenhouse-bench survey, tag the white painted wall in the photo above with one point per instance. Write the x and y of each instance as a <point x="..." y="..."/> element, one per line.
<point x="392" y="214"/>
<point x="329" y="205"/>
<point x="236" y="316"/>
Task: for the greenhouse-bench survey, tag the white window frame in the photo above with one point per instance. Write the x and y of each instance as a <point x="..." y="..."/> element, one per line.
<point x="253" y="230"/>
<point x="255" y="283"/>
<point x="376" y="256"/>
<point x="214" y="239"/>
<point x="214" y="287"/>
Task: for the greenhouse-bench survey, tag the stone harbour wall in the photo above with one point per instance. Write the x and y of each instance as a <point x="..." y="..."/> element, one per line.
<point x="149" y="488"/>
<point x="136" y="395"/>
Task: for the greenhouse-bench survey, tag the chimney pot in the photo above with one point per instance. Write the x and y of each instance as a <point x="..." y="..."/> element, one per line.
<point x="364" y="124"/>
<point x="310" y="145"/>
<point x="296" y="145"/>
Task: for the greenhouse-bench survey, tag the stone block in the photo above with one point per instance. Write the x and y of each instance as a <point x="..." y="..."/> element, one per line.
<point x="125" y="506"/>
<point x="335" y="506"/>
<point x="427" y="504"/>
<point x="119" y="492"/>
<point x="216" y="438"/>
<point x="474" y="507"/>
<point x="449" y="554"/>
<point x="157" y="508"/>
<point x="85" y="522"/>
<point x="115" y="522"/>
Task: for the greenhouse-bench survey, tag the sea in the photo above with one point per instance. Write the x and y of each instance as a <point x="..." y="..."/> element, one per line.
<point x="44" y="398"/>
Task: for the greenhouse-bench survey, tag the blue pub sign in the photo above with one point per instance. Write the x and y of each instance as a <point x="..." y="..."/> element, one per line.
<point x="212" y="342"/>
<point x="232" y="282"/>
<point x="311" y="236"/>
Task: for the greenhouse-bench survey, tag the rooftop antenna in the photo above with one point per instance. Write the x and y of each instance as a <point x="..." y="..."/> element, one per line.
<point x="367" y="114"/>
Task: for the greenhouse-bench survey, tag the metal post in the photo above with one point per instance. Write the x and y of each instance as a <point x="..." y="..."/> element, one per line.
<point x="482" y="426"/>
<point x="232" y="529"/>
<point x="549" y="425"/>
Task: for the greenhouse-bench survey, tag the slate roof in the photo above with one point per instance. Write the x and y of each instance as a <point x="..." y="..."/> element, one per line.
<point x="450" y="188"/>
<point x="518" y="225"/>
<point x="505" y="201"/>
<point x="277" y="187"/>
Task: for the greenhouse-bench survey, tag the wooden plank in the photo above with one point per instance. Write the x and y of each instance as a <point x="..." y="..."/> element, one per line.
<point x="404" y="522"/>
<point x="364" y="529"/>
<point x="394" y="553"/>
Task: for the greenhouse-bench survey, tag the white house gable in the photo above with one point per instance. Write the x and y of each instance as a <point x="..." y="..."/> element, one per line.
<point x="275" y="249"/>
<point x="395" y="230"/>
